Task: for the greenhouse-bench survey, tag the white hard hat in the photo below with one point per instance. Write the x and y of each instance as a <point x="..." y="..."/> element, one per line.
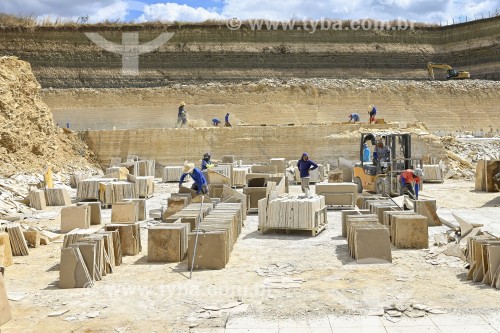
<point x="418" y="172"/>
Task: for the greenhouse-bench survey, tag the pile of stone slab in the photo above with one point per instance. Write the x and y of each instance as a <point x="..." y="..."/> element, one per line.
<point x="168" y="242"/>
<point x="142" y="168"/>
<point x="483" y="255"/>
<point x="87" y="256"/>
<point x="40" y="199"/>
<point x="144" y="185"/>
<point x="18" y="244"/>
<point x="488" y="176"/>
<point x="117" y="191"/>
<point x="172" y="174"/>
<point x="216" y="235"/>
<point x="367" y="239"/>
<point x="88" y="189"/>
<point x="338" y="195"/>
<point x="259" y="186"/>
<point x="239" y="176"/>
<point x="434" y="172"/>
<point x="292" y="212"/>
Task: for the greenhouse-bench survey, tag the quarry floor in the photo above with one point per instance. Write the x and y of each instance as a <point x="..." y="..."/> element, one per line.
<point x="336" y="294"/>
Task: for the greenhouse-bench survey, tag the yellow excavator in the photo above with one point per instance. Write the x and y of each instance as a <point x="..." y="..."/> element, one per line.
<point x="451" y="73"/>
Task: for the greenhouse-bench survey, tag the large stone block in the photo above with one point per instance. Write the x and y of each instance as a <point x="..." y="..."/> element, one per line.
<point x="210" y="251"/>
<point x="6" y="258"/>
<point x="124" y="212"/>
<point x="75" y="217"/>
<point x="428" y="209"/>
<point x="130" y="237"/>
<point x="168" y="243"/>
<point x="410" y="232"/>
<point x="372" y="244"/>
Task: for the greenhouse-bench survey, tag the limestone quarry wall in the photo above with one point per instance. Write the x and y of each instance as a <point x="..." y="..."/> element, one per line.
<point x="444" y="107"/>
<point x="66" y="58"/>
<point x="325" y="143"/>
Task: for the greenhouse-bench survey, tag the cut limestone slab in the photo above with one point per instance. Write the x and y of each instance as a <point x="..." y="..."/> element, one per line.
<point x="32" y="237"/>
<point x="5" y="250"/>
<point x="168" y="243"/>
<point x="73" y="271"/>
<point x="37" y="199"/>
<point x="75" y="217"/>
<point x="95" y="212"/>
<point x="211" y="250"/>
<point x="141" y="208"/>
<point x="372" y="244"/>
<point x="411" y="232"/>
<point x="428" y="209"/>
<point x="346" y="213"/>
<point x="5" y="314"/>
<point x="130" y="237"/>
<point x="124" y="212"/>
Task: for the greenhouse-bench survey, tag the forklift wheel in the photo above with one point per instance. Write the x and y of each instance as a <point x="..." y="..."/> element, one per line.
<point x="357" y="181"/>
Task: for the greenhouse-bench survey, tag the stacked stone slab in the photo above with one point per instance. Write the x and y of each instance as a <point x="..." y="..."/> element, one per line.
<point x="410" y="231"/>
<point x="95" y="212"/>
<point x="427" y="208"/>
<point x="367" y="239"/>
<point x="57" y="197"/>
<point x="88" y="189"/>
<point x="293" y="212"/>
<point x="168" y="242"/>
<point x="483" y="255"/>
<point x="338" y="195"/>
<point x="75" y="217"/>
<point x="5" y="250"/>
<point x="487" y="178"/>
<point x="239" y="176"/>
<point x="217" y="234"/>
<point x="37" y="199"/>
<point x="144" y="185"/>
<point x="172" y="173"/>
<point x="346" y="213"/>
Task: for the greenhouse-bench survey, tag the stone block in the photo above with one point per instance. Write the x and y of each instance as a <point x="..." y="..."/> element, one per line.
<point x="210" y="252"/>
<point x="428" y="209"/>
<point x="168" y="242"/>
<point x="6" y="258"/>
<point x="75" y="217"/>
<point x="130" y="237"/>
<point x="372" y="244"/>
<point x="124" y="212"/>
<point x="410" y="232"/>
<point x="73" y="272"/>
<point x="32" y="237"/>
<point x="141" y="208"/>
<point x="346" y="213"/>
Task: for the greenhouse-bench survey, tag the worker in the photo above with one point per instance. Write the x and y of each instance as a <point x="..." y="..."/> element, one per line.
<point x="372" y="112"/>
<point x="228" y="124"/>
<point x="216" y="122"/>
<point x="382" y="153"/>
<point x="205" y="162"/>
<point x="411" y="179"/>
<point x="305" y="165"/>
<point x="200" y="183"/>
<point x="181" y="115"/>
<point x="354" y="117"/>
<point x="366" y="153"/>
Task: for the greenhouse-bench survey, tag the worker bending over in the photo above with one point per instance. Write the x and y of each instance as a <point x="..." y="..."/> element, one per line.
<point x="200" y="183"/>
<point x="354" y="117"/>
<point x="216" y="122"/>
<point x="411" y="179"/>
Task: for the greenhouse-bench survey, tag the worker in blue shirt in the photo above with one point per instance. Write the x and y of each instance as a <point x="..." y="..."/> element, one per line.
<point x="372" y="112"/>
<point x="200" y="183"/>
<point x="206" y="163"/>
<point x="216" y="122"/>
<point x="354" y="117"/>
<point x="226" y="118"/>
<point x="366" y="153"/>
<point x="305" y="165"/>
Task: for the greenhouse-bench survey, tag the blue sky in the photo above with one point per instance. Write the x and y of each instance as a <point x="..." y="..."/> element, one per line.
<point x="434" y="11"/>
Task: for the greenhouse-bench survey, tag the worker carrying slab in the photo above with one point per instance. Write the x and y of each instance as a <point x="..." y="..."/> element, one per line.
<point x="200" y="183"/>
<point x="372" y="112"/>
<point x="305" y="165"/>
<point x="354" y="117"/>
<point x="411" y="179"/>
<point x="206" y="163"/>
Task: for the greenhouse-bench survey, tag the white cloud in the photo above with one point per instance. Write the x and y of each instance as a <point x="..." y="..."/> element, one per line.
<point x="175" y="12"/>
<point x="100" y="10"/>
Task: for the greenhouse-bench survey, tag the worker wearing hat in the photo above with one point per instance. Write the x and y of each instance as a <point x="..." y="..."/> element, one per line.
<point x="372" y="112"/>
<point x="305" y="165"/>
<point x="206" y="163"/>
<point x="181" y="115"/>
<point x="200" y="183"/>
<point x="410" y="179"/>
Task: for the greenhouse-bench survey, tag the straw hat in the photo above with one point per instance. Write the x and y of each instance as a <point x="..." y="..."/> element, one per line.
<point x="188" y="167"/>
<point x="183" y="103"/>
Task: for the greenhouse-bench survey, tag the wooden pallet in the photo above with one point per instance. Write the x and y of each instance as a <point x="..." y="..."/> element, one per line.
<point x="314" y="232"/>
<point x="149" y="196"/>
<point x="339" y="207"/>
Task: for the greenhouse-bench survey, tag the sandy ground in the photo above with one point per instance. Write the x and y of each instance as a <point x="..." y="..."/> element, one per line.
<point x="146" y="297"/>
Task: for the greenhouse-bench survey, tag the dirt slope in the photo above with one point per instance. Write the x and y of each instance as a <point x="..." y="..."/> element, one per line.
<point x="29" y="138"/>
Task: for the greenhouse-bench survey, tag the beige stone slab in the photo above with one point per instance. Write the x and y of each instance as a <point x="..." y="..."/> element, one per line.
<point x="372" y="245"/>
<point x="411" y="232"/>
<point x="167" y="243"/>
<point x="32" y="237"/>
<point x="75" y="217"/>
<point x="73" y="271"/>
<point x="5" y="314"/>
<point x="6" y="258"/>
<point x="428" y="209"/>
<point x="124" y="212"/>
<point x="210" y="252"/>
<point x="130" y="237"/>
<point x="344" y="215"/>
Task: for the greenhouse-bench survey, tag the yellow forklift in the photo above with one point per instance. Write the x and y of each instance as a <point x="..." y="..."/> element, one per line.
<point x="390" y="156"/>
